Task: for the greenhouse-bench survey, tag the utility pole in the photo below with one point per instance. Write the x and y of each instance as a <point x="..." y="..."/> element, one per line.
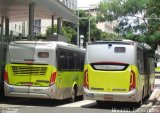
<point x="89" y="25"/>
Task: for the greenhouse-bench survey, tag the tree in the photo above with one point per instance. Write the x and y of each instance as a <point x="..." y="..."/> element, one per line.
<point x="67" y="30"/>
<point x="141" y="12"/>
<point x="110" y="36"/>
<point x="95" y="33"/>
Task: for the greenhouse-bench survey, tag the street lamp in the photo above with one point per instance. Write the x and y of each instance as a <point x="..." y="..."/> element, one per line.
<point x="86" y="18"/>
<point x="81" y="41"/>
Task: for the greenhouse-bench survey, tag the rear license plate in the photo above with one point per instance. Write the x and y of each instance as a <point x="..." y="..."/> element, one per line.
<point x="108" y="97"/>
<point x="27" y="84"/>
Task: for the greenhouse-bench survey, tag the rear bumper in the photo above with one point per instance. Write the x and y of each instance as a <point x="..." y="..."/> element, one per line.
<point x="30" y="92"/>
<point x="121" y="97"/>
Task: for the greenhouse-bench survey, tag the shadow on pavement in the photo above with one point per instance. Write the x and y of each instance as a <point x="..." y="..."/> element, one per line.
<point x="34" y="102"/>
<point x="125" y="106"/>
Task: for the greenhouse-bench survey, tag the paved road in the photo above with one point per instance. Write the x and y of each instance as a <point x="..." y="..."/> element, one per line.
<point x="18" y="105"/>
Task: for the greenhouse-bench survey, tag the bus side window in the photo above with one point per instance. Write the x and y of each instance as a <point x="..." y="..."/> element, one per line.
<point x="75" y="61"/>
<point x="81" y="61"/>
<point x="140" y="61"/>
<point x="62" y="60"/>
<point x="70" y="62"/>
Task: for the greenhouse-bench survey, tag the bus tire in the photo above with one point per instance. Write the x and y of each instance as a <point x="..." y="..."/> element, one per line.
<point x="74" y="94"/>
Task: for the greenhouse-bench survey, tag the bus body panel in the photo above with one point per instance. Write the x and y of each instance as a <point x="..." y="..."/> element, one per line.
<point x="110" y="53"/>
<point x="31" y="53"/>
<point x="31" y="92"/>
<point x="119" y="83"/>
<point x="29" y="75"/>
<point x="112" y="68"/>
<point x="33" y="66"/>
<point x="109" y="81"/>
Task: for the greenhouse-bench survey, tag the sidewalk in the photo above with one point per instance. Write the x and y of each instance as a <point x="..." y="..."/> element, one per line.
<point x="155" y="96"/>
<point x="154" y="102"/>
<point x="156" y="105"/>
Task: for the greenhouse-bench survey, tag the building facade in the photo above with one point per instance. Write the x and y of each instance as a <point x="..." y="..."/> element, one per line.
<point x="40" y="25"/>
<point x="104" y="26"/>
<point x="72" y="4"/>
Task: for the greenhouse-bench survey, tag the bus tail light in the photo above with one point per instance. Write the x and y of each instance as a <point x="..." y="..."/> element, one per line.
<point x="86" y="85"/>
<point x="53" y="78"/>
<point x="132" y="80"/>
<point x="5" y="76"/>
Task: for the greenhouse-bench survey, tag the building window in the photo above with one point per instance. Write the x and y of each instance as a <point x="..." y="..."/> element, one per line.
<point x="19" y="28"/>
<point x="15" y="26"/>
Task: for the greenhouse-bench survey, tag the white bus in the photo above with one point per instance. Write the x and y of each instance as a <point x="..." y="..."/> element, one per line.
<point x="117" y="71"/>
<point x="44" y="69"/>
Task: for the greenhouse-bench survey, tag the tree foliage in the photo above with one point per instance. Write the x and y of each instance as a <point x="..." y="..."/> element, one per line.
<point x="67" y="30"/>
<point x="95" y="33"/>
<point x="114" y="9"/>
<point x="137" y="19"/>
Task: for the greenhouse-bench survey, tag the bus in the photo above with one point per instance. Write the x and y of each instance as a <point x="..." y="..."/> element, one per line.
<point x="118" y="71"/>
<point x="44" y="69"/>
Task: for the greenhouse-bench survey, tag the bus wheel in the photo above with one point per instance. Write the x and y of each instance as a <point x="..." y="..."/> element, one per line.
<point x="73" y="95"/>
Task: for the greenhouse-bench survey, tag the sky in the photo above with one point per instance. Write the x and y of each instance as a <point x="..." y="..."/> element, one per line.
<point x="86" y="3"/>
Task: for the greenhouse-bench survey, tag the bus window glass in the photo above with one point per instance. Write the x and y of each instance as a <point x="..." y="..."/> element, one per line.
<point x="81" y="57"/>
<point x="43" y="54"/>
<point x="62" y="60"/>
<point x="140" y="61"/>
<point x="70" y="61"/>
<point x="119" y="49"/>
<point x="75" y="61"/>
<point x="109" y="67"/>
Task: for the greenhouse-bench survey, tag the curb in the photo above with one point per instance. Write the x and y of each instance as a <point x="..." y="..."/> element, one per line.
<point x="153" y="100"/>
<point x="154" y="96"/>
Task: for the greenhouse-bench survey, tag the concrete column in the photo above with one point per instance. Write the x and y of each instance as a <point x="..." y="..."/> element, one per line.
<point x="23" y="29"/>
<point x="78" y="35"/>
<point x="52" y="26"/>
<point x="78" y="29"/>
<point x="89" y="30"/>
<point x="89" y="27"/>
<point x="1" y="51"/>
<point x="7" y="29"/>
<point x="11" y="35"/>
<point x="31" y="21"/>
<point x="1" y="37"/>
<point x="59" y="26"/>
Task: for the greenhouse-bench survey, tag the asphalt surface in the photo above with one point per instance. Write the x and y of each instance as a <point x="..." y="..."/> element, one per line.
<point x="25" y="105"/>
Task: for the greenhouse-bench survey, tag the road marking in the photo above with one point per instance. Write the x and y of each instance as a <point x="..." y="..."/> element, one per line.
<point x="79" y="103"/>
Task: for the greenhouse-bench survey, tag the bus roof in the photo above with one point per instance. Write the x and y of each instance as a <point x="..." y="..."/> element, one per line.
<point x="126" y="42"/>
<point x="56" y="43"/>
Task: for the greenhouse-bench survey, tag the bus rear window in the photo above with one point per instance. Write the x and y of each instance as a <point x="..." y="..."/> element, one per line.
<point x="109" y="66"/>
<point x="43" y="54"/>
<point x="119" y="49"/>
